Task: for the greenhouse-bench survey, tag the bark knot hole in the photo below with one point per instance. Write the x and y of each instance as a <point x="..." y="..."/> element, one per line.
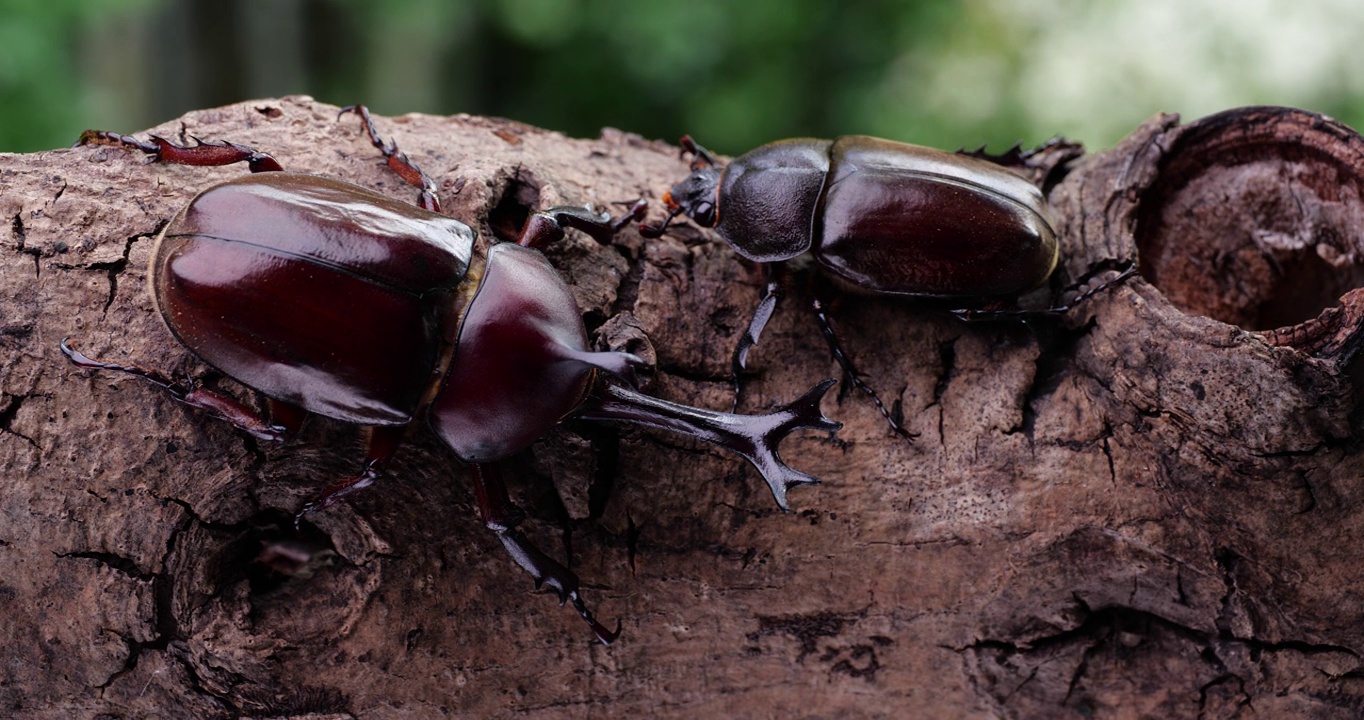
<point x="1256" y="217"/>
<point x="519" y="198"/>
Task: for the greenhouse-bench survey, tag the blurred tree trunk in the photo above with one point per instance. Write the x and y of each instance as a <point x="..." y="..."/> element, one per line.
<point x="1141" y="510"/>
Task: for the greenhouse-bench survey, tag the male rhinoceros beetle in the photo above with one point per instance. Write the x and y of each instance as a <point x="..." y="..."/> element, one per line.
<point x="332" y="299"/>
<point x="881" y="217"/>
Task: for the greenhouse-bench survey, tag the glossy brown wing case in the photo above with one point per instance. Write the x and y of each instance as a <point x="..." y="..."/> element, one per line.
<point x="315" y="292"/>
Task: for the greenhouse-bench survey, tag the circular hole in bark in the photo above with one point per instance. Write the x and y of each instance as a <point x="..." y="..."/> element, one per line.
<point x="519" y="198"/>
<point x="270" y="552"/>
<point x="1255" y="217"/>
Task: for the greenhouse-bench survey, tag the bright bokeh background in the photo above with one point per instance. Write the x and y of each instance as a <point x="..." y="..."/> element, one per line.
<point x="734" y="74"/>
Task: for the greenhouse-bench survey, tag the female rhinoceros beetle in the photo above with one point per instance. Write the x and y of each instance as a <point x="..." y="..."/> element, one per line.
<point x="882" y="217"/>
<point x="328" y="298"/>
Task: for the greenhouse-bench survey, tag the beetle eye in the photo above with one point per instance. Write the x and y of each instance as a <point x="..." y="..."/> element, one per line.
<point x="704" y="214"/>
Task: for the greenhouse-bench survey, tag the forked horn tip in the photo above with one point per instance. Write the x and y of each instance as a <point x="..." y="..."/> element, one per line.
<point x="806" y="408"/>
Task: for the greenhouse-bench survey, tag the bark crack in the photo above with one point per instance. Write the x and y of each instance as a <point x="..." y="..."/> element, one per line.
<point x="947" y="353"/>
<point x="683" y="373"/>
<point x="818" y="633"/>
<point x="1243" y="697"/>
<point x="1114" y="625"/>
<point x="113" y="561"/>
<point x="7" y="415"/>
<point x="20" y="235"/>
<point x="115" y="269"/>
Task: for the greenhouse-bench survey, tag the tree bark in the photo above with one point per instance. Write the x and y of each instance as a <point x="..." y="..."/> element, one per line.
<point x="1144" y="509"/>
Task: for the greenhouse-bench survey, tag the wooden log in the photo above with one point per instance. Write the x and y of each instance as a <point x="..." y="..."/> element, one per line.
<point x="1145" y="509"/>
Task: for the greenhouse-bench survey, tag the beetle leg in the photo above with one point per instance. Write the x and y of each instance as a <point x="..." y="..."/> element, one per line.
<point x="286" y="415"/>
<point x="754" y="437"/>
<point x="1125" y="269"/>
<point x="205" y="154"/>
<point x="1046" y="165"/>
<point x="850" y="373"/>
<point x="398" y="161"/>
<point x="761" y="314"/>
<point x="701" y="157"/>
<point x="383" y="442"/>
<point x="547" y="226"/>
<point x="188" y="392"/>
<point x="501" y="517"/>
<point x="656" y="230"/>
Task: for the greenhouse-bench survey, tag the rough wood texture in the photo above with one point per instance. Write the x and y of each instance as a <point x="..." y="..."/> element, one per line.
<point x="1140" y="511"/>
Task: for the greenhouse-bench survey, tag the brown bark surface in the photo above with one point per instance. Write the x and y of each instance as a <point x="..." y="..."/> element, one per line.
<point x="1142" y="510"/>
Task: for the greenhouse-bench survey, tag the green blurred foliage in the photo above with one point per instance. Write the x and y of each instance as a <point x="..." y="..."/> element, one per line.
<point x="949" y="73"/>
<point x="40" y="84"/>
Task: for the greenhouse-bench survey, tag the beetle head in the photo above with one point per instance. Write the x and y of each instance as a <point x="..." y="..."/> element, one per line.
<point x="697" y="196"/>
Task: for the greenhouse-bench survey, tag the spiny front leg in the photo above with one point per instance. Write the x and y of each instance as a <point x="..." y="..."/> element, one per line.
<point x="761" y="314"/>
<point x="192" y="394"/>
<point x="398" y="161"/>
<point x="547" y="226"/>
<point x="541" y="228"/>
<point x="202" y="153"/>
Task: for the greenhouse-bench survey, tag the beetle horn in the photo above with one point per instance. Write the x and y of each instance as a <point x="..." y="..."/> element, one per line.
<point x="620" y="364"/>
<point x="755" y="437"/>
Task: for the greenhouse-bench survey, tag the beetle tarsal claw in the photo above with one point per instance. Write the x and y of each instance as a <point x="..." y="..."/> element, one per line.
<point x="605" y="636"/>
<point x="547" y="572"/>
